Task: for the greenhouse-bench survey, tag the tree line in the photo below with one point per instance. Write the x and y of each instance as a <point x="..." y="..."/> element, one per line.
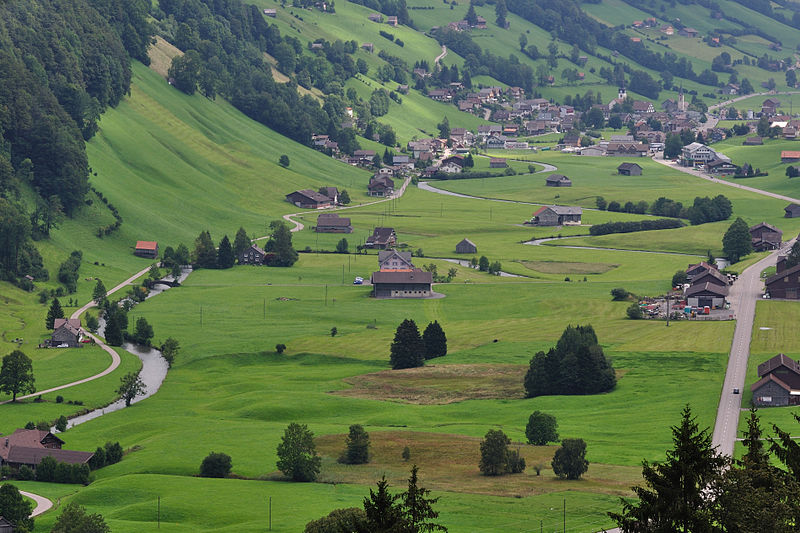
<point x="635" y="225"/>
<point x="702" y="210"/>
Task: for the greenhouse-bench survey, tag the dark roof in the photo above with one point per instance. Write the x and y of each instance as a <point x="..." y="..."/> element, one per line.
<point x="702" y="264"/>
<point x="72" y="324"/>
<point x="380" y="235"/>
<point x="33" y="456"/>
<point x="332" y="219"/>
<point x="466" y="241"/>
<point x="330" y="192"/>
<point x="314" y="196"/>
<point x="382" y="182"/>
<point x="700" y="288"/>
<point x="777" y="361"/>
<point x="402" y="276"/>
<point x="766" y="379"/>
<point x="791" y="208"/>
<point x="383" y="255"/>
<point x="765" y="225"/>
<point x="556" y="178"/>
<point x="628" y="166"/>
<point x="713" y="272"/>
<point x="782" y="274"/>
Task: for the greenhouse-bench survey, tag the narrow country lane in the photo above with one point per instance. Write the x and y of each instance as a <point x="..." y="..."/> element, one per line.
<point x="42" y="503"/>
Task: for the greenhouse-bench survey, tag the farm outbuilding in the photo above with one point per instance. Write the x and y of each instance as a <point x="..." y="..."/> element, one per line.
<point x="148" y="249"/>
<point x="557" y="215"/>
<point x="785" y="283"/>
<point x="706" y="295"/>
<point x="557" y="180"/>
<point x="779" y="383"/>
<point x="792" y="211"/>
<point x="466" y="246"/>
<point x="630" y="169"/>
<point x="414" y="283"/>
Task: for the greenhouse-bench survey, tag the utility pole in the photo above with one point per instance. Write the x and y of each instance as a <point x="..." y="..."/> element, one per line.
<point x="158" y="513"/>
<point x="326" y="295"/>
<point x="668" y="309"/>
<point x="201" y="316"/>
<point x="270" y="513"/>
<point x="565" y="515"/>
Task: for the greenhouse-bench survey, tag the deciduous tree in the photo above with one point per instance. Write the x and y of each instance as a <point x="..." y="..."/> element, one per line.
<point x="494" y="453"/>
<point x="737" y="241"/>
<point x="75" y="519"/>
<point x="297" y="455"/>
<point x="569" y="461"/>
<point x="541" y="429"/>
<point x="131" y="386"/>
<point x="216" y="465"/>
<point x="15" y="508"/>
<point x="16" y="375"/>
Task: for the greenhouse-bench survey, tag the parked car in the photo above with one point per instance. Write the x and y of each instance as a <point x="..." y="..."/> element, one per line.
<point x="358" y="281"/>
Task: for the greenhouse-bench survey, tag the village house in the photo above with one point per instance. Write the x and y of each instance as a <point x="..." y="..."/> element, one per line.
<point x="697" y="154"/>
<point x="148" y="249"/>
<point x="651" y="136"/>
<point x="497" y="162"/>
<point x="792" y="211"/>
<point x="380" y="186"/>
<point x="629" y="169"/>
<point x="627" y="149"/>
<point x="452" y="165"/>
<point x="466" y="246"/>
<point x="790" y="156"/>
<point x="369" y="47"/>
<point x="414" y="283"/>
<point x="721" y="166"/>
<point x="333" y="223"/>
<point x="29" y="446"/>
<point x="557" y="180"/>
<point x="698" y="268"/>
<point x="770" y="106"/>
<point x="778" y="384"/>
<point x="394" y="260"/>
<point x="308" y="199"/>
<point x="66" y="333"/>
<point x="440" y="95"/>
<point x="381" y="239"/>
<point x="252" y="256"/>
<point x="557" y="215"/>
<point x="765" y="237"/>
<point x="785" y="283"/>
<point x="641" y="106"/>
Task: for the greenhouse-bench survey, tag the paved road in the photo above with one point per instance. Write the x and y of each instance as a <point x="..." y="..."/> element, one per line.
<point x="744" y="294"/>
<point x="744" y="97"/>
<point x="440" y="56"/>
<point x="42" y="503"/>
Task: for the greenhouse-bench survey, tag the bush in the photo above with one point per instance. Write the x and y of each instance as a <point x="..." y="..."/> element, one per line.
<point x="569" y="461"/>
<point x="25" y="473"/>
<point x="59" y="399"/>
<point x="61" y="423"/>
<point x="632" y="226"/>
<point x="634" y="312"/>
<point x="679" y="278"/>
<point x="541" y="428"/>
<point x="619" y="294"/>
<point x="113" y="453"/>
<point x="216" y="465"/>
<point x="280" y="348"/>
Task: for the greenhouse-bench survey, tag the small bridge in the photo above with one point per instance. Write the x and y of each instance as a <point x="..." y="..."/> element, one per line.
<point x="168" y="283"/>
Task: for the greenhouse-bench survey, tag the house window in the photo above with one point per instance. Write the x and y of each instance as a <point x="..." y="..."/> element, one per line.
<point x="765" y="399"/>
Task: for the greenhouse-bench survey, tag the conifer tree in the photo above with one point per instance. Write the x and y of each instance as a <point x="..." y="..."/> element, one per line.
<point x="99" y="293"/>
<point x="407" y="350"/>
<point x="241" y="242"/>
<point x="384" y="513"/>
<point x="435" y="340"/>
<point x="225" y="257"/>
<point x="205" y="256"/>
<point x="54" y="312"/>
<point x="471" y="17"/>
<point x="357" y="446"/>
<point x="418" y="506"/>
<point x="280" y="243"/>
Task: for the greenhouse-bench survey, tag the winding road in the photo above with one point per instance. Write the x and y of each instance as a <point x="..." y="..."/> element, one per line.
<point x="42" y="503"/>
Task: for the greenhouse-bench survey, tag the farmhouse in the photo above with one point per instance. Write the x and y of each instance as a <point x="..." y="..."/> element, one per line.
<point x="720" y="166"/>
<point x="770" y="106"/>
<point x="557" y="215"/>
<point x="466" y="246"/>
<point x="712" y="276"/>
<point x="333" y="223"/>
<point x="252" y="256"/>
<point x="381" y="238"/>
<point x="790" y="156"/>
<point x="753" y="141"/>
<point x="706" y="295"/>
<point x="557" y="180"/>
<point x="413" y="283"/>
<point x="688" y="32"/>
<point x="331" y="192"/>
<point x="785" y="283"/>
<point x="765" y="237"/>
<point x="147" y="249"/>
<point x="453" y="164"/>
<point x="625" y="149"/>
<point x="380" y="186"/>
<point x="779" y="383"/>
<point x="29" y="446"/>
<point x="394" y="260"/>
<point x="629" y="169"/>
<point x="697" y="269"/>
<point x="792" y="211"/>
<point x="66" y="331"/>
<point x="308" y="199"/>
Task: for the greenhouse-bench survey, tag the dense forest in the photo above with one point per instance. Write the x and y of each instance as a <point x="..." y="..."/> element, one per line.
<point x="62" y="62"/>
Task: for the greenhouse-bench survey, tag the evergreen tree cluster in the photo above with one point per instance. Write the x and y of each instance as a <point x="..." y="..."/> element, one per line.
<point x="409" y="349"/>
<point x="576" y="365"/>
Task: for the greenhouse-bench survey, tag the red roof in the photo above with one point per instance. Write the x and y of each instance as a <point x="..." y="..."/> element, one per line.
<point x="146" y="245"/>
<point x="539" y="211"/>
<point x="790" y="154"/>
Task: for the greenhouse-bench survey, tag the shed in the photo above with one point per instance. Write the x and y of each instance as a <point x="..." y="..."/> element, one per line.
<point x="147" y="249"/>
<point x="557" y="180"/>
<point x="784" y="284"/>
<point x="792" y="211"/>
<point x="466" y="246"/>
<point x="497" y="162"/>
<point x="333" y="223"/>
<point x="630" y="169"/>
<point x="753" y="141"/>
<point x="557" y="215"/>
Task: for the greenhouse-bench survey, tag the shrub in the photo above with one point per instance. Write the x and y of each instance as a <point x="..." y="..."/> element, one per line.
<point x="113" y="453"/>
<point x="280" y="348"/>
<point x="619" y="294"/>
<point x="216" y="465"/>
<point x="634" y="312"/>
<point x="61" y="423"/>
<point x="59" y="399"/>
<point x="632" y="226"/>
<point x="25" y="473"/>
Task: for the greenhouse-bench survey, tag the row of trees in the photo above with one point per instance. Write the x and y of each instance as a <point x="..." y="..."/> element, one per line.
<point x="702" y="210"/>
<point x="635" y="225"/>
<point x="409" y="349"/>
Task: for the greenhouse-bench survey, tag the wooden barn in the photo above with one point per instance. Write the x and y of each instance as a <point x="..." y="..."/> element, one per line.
<point x="333" y="223"/>
<point x="785" y="283"/>
<point x="414" y="283"/>
<point x="778" y="384"/>
<point x="466" y="246"/>
<point x="557" y="180"/>
<point x="629" y="169"/>
<point x="148" y="249"/>
<point x="557" y="215"/>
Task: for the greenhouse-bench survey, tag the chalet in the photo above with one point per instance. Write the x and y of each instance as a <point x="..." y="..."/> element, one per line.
<point x="510" y="129"/>
<point x="790" y="156"/>
<point x="271" y="12"/>
<point x="466" y="246"/>
<point x="402" y="160"/>
<point x="515" y="92"/>
<point x="778" y="384"/>
<point x="536" y="127"/>
<point x="706" y="295"/>
<point x="630" y="169"/>
<point x="148" y="249"/>
<point x="381" y="239"/>
<point x="651" y="136"/>
<point x="572" y="139"/>
<point x="711" y="276"/>
<point x="421" y="73"/>
<point x="29" y="446"/>
<point x="753" y="141"/>
<point x="557" y="215"/>
<point x="394" y="260"/>
<point x="333" y="223"/>
<point x="732" y="88"/>
<point x="331" y="192"/>
<point x="790" y="133"/>
<point x="785" y="283"/>
<point x="627" y="149"/>
<point x="487" y="130"/>
<point x="597" y="150"/>
<point x="252" y="256"/>
<point x="496" y="142"/>
<point x="557" y="180"/>
<point x="765" y="237"/>
<point x="721" y="166"/>
<point x="696" y="154"/>
<point x="440" y="95"/>
<point x="640" y="106"/>
<point x="391" y="21"/>
<point x="501" y="115"/>
<point x="769" y="107"/>
<point x="697" y="269"/>
<point x="688" y="32"/>
<point x="497" y="162"/>
<point x="453" y="164"/>
<point x="308" y="199"/>
<point x="667" y="30"/>
<point x="380" y="186"/>
<point x="458" y="134"/>
<point x="414" y="283"/>
<point x="480" y="23"/>
<point x="792" y="211"/>
<point x="66" y="331"/>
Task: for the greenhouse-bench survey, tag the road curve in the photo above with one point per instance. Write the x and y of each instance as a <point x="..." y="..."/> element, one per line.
<point x="42" y="503"/>
<point x="744" y="294"/>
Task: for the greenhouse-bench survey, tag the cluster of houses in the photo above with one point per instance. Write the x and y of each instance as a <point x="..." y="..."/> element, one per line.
<point x="706" y="158"/>
<point x="27" y="447"/>
<point x="397" y="277"/>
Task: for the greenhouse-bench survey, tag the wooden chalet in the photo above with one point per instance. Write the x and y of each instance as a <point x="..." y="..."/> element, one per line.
<point x="712" y="276"/>
<point x="790" y="156"/>
<point x="252" y="256"/>
<point x="623" y="149"/>
<point x="148" y="249"/>
<point x="770" y="106"/>
<point x="697" y="269"/>
<point x="765" y="237"/>
<point x="333" y="223"/>
<point x="380" y="186"/>
<point x="466" y="246"/>
<point x="778" y="384"/>
<point x="394" y="260"/>
<point x="308" y="199"/>
<point x="381" y="239"/>
<point x="792" y="211"/>
<point x="785" y="283"/>
<point x="408" y="283"/>
<point x="557" y="180"/>
<point x="629" y="169"/>
<point x="66" y="331"/>
<point x="29" y="446"/>
<point x="557" y="215"/>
